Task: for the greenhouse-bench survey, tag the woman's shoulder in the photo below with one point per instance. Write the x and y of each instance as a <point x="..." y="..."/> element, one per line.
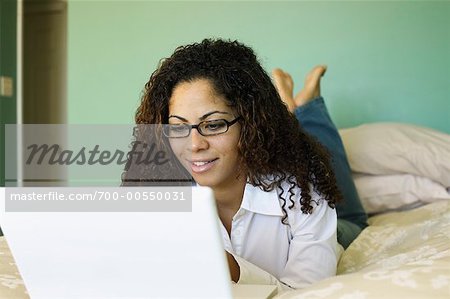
<point x="288" y="193"/>
<point x="290" y="200"/>
<point x="288" y="188"/>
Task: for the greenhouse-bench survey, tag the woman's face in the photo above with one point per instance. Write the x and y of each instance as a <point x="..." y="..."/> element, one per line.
<point x="213" y="161"/>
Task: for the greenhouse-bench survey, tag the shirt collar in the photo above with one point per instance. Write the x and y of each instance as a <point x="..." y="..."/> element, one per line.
<point x="261" y="202"/>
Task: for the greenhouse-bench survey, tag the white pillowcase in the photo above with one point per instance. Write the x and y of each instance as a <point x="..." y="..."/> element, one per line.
<point x="395" y="148"/>
<point x="381" y="193"/>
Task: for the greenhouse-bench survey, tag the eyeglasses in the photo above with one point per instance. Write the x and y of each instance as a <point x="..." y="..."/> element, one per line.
<point x="205" y="128"/>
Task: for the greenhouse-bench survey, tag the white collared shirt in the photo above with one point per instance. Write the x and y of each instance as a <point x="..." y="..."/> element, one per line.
<point x="270" y="252"/>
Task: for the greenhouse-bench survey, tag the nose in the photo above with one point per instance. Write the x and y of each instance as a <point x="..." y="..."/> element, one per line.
<point x="198" y="141"/>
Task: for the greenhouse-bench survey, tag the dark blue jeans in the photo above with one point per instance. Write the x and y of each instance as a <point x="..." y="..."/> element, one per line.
<point x="314" y="119"/>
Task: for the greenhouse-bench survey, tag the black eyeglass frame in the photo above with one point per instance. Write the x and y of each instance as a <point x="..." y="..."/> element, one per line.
<point x="197" y="127"/>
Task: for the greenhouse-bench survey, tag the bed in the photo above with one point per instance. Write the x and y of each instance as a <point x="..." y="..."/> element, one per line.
<point x="402" y="174"/>
<point x="400" y="255"/>
<point x="11" y="284"/>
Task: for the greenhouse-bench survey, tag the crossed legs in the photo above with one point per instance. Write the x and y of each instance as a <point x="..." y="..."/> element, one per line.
<point x="309" y="108"/>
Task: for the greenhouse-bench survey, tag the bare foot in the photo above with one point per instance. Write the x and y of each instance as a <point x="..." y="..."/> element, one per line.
<point x="285" y="87"/>
<point x="311" y="88"/>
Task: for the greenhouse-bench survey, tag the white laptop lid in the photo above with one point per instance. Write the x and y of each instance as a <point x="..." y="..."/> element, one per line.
<point x="120" y="254"/>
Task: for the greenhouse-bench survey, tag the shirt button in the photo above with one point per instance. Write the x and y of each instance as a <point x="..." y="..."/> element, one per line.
<point x="241" y="212"/>
<point x="237" y="232"/>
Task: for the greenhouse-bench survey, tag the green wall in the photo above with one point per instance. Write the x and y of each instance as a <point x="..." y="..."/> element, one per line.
<point x="388" y="61"/>
<point x="8" y="11"/>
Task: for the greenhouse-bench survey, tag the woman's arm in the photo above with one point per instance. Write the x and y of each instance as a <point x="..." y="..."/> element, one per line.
<point x="312" y="254"/>
<point x="313" y="251"/>
<point x="234" y="267"/>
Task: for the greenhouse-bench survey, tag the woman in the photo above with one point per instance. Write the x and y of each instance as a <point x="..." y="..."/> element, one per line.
<point x="274" y="185"/>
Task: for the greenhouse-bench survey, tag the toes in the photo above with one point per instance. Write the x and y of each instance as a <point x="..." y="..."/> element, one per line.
<point x="316" y="73"/>
<point x="284" y="85"/>
<point x="312" y="81"/>
<point x="289" y="80"/>
<point x="311" y="88"/>
<point x="278" y="75"/>
<point x="277" y="72"/>
<point x="282" y="79"/>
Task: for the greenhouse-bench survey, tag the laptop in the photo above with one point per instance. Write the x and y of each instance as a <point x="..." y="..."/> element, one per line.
<point x="122" y="254"/>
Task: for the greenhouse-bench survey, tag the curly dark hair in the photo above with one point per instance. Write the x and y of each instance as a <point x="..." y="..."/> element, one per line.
<point x="272" y="144"/>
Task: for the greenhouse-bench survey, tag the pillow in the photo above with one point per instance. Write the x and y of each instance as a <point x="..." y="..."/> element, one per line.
<point x="382" y="193"/>
<point x="395" y="148"/>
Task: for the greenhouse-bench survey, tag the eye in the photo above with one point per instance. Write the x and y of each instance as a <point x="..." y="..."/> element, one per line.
<point x="215" y="125"/>
<point x="176" y="130"/>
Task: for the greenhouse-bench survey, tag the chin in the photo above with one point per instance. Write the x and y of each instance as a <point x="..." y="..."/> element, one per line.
<point x="211" y="180"/>
<point x="205" y="182"/>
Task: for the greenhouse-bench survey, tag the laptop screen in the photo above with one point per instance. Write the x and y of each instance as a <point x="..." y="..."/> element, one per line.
<point x="120" y="254"/>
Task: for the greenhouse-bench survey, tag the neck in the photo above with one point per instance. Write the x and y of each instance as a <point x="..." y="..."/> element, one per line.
<point x="230" y="198"/>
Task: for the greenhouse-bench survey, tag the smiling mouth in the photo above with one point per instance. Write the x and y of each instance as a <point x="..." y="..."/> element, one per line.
<point x="201" y="163"/>
<point x="202" y="166"/>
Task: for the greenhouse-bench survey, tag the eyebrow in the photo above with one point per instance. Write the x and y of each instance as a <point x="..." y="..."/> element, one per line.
<point x="202" y="117"/>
